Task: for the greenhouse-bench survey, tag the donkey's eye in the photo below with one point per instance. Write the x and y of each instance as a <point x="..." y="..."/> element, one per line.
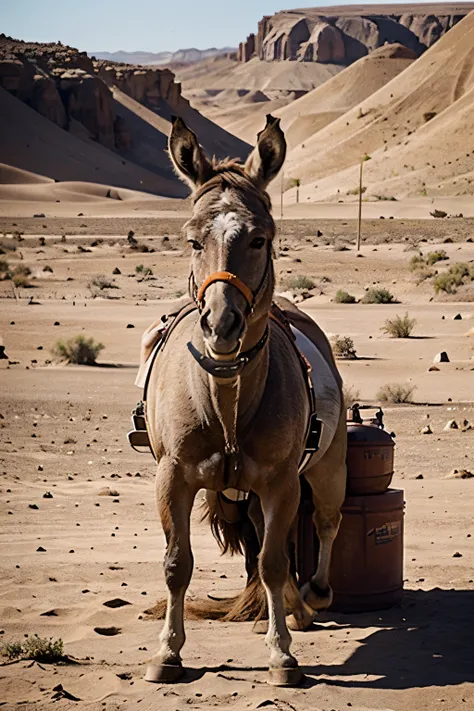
<point x="257" y="242"/>
<point x="195" y="244"/>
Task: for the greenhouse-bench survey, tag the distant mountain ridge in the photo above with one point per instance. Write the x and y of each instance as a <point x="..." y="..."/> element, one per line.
<point x="184" y="56"/>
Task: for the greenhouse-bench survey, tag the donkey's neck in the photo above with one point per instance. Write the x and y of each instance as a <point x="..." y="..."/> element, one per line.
<point x="236" y="402"/>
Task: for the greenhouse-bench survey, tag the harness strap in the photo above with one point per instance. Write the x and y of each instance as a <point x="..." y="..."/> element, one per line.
<point x="230" y="279"/>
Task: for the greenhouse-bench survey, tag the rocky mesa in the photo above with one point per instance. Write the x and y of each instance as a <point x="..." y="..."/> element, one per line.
<point x="344" y="34"/>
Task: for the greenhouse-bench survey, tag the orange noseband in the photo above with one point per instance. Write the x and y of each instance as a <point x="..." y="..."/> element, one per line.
<point x="229" y="278"/>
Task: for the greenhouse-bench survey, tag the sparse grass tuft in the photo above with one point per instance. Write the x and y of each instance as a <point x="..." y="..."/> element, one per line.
<point x="378" y="296"/>
<point x="396" y="393"/>
<point x="299" y="282"/>
<point x="37" y="648"/>
<point x="343" y="297"/>
<point x="399" y="327"/>
<point x="343" y="347"/>
<point x="19" y="276"/>
<point x="78" y="350"/>
<point x="417" y="261"/>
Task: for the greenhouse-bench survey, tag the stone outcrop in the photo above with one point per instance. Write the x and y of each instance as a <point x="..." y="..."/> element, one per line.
<point x="64" y="84"/>
<point x="311" y="35"/>
<point x="150" y="87"/>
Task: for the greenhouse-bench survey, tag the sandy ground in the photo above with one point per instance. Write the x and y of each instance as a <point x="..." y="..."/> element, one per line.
<point x="63" y="431"/>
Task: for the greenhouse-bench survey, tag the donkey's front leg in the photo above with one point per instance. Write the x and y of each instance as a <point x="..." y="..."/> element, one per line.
<point x="279" y="504"/>
<point x="175" y="500"/>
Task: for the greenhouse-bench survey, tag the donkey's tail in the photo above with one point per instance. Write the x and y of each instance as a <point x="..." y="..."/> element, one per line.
<point x="228" y="520"/>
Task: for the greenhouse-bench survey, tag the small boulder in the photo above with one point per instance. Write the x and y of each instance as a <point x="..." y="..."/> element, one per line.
<point x="116" y="271"/>
<point x="433" y="368"/>
<point x="451" y="425"/>
<point x="460" y="474"/>
<point x="427" y="430"/>
<point x="441" y="357"/>
<point x="458" y="317"/>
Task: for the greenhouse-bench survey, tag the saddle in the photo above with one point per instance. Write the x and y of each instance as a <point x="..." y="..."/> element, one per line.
<point x="154" y="341"/>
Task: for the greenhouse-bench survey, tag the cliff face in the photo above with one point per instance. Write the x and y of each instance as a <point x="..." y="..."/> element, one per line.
<point x="341" y="35"/>
<point x="64" y="84"/>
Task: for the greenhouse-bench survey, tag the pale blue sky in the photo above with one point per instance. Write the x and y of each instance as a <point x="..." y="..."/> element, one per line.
<point x="150" y="25"/>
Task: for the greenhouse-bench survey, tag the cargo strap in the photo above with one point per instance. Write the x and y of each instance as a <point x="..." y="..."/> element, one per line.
<point x="138" y="437"/>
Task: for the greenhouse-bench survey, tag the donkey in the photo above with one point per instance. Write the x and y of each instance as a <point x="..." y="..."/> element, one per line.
<point x="227" y="403"/>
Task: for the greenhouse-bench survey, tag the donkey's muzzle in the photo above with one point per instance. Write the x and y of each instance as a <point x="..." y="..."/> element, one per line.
<point x="223" y="331"/>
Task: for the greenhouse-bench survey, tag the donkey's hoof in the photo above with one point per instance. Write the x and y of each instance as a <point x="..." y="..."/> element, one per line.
<point x="299" y="625"/>
<point x="316" y="597"/>
<point x="260" y="627"/>
<point x="164" y="673"/>
<point x="285" y="676"/>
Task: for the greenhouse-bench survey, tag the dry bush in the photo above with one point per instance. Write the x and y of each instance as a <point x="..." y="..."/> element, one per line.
<point x="343" y="347"/>
<point x="378" y="296"/>
<point x="144" y="272"/>
<point x="457" y="275"/>
<point x="20" y="276"/>
<point x="438" y="256"/>
<point x="99" y="286"/>
<point x="299" y="282"/>
<point x="38" y="648"/>
<point x="417" y="261"/>
<point x="399" y="327"/>
<point x="343" y="297"/>
<point x="78" y="350"/>
<point x="396" y="393"/>
<point x="350" y="395"/>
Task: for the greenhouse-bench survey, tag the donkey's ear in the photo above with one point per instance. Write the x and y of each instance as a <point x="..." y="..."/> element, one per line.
<point x="268" y="155"/>
<point x="189" y="160"/>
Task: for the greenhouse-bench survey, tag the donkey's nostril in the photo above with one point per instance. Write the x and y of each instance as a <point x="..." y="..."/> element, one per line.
<point x="206" y="329"/>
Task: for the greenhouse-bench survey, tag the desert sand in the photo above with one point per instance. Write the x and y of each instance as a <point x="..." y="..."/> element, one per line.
<point x="63" y="431"/>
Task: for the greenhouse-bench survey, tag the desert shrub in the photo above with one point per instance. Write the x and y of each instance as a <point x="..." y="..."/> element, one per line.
<point x="357" y="190"/>
<point x="458" y="274"/>
<point x="417" y="261"/>
<point x="422" y="274"/>
<point x="391" y="198"/>
<point x="78" y="350"/>
<point x="437" y="256"/>
<point x="350" y="395"/>
<point x="378" y="296"/>
<point x="299" y="282"/>
<point x="343" y="347"/>
<point x="399" y="327"/>
<point x="396" y="393"/>
<point x="143" y="272"/>
<point x="38" y="648"/>
<point x="343" y="297"/>
<point x="20" y="275"/>
<point x="99" y="285"/>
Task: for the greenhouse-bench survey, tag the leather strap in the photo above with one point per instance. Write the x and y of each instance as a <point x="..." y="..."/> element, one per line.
<point x="230" y="279"/>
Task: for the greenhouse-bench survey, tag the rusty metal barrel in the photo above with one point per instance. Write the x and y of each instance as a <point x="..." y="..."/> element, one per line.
<point x="367" y="560"/>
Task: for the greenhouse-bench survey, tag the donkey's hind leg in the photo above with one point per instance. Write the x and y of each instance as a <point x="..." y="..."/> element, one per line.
<point x="328" y="484"/>
<point x="175" y="500"/>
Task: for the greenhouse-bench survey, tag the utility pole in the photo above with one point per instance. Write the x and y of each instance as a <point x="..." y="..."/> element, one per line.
<point x="360" y="205"/>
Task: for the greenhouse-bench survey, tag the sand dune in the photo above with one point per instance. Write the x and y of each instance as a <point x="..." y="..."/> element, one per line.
<point x="33" y="143"/>
<point x="415" y="129"/>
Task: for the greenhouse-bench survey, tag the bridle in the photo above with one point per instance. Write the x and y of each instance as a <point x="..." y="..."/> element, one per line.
<point x="230" y="368"/>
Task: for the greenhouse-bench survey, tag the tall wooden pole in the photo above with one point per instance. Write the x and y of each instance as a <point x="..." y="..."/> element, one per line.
<point x="281" y="214"/>
<point x="360" y="206"/>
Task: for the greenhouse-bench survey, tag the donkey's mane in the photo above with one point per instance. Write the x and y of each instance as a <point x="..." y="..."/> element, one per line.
<point x="230" y="173"/>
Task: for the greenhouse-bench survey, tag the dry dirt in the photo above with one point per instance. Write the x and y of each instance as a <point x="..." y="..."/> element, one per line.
<point x="63" y="431"/>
